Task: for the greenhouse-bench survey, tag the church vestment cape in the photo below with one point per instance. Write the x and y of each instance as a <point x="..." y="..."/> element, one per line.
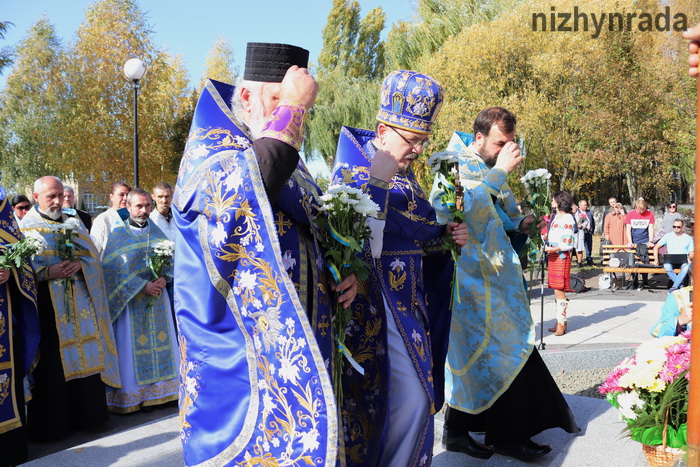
<point x="492" y="333"/>
<point x="126" y="272"/>
<point x="19" y="327"/>
<point x="82" y="315"/>
<point x="413" y="274"/>
<point x="255" y="385"/>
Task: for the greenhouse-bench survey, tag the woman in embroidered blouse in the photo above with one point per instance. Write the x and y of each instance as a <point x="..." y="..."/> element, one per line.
<point x="560" y="243"/>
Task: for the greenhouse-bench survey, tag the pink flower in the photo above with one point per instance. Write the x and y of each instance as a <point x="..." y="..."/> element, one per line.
<point x="612" y="382"/>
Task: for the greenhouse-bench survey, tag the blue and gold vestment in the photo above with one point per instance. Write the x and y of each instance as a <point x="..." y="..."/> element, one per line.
<point x="82" y="314"/>
<point x="19" y="324"/>
<point x="126" y="273"/>
<point x="492" y="333"/>
<point x="416" y="288"/>
<point x="255" y="386"/>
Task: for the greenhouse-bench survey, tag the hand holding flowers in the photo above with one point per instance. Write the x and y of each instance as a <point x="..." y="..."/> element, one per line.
<point x="159" y="259"/>
<point x="344" y="230"/>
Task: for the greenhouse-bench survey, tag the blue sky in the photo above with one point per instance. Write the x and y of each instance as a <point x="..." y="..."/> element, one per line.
<point x="191" y="27"/>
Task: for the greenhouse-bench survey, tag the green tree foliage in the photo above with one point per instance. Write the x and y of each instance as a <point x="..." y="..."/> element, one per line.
<point x="437" y="20"/>
<point x="98" y="107"/>
<point x="606" y="115"/>
<point x="30" y="103"/>
<point x="220" y="63"/>
<point x="351" y="64"/>
<point x="5" y="52"/>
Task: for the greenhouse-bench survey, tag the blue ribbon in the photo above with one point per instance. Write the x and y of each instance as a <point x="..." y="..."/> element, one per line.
<point x="344" y="350"/>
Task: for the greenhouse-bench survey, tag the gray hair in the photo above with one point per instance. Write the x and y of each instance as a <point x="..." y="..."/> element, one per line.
<point x="68" y="188"/>
<point x="255" y="88"/>
<point x="40" y="183"/>
<point x="137" y="192"/>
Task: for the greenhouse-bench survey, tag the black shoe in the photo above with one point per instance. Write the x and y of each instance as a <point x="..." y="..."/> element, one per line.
<point x="526" y="452"/>
<point x="466" y="444"/>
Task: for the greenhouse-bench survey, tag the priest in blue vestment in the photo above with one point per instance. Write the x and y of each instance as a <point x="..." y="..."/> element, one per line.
<point x="139" y="306"/>
<point x="77" y="351"/>
<point x="251" y="296"/>
<point x="400" y="321"/>
<point x="19" y="342"/>
<point x="495" y="380"/>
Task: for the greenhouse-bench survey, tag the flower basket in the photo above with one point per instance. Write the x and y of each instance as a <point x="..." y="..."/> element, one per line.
<point x="662" y="456"/>
<point x="650" y="390"/>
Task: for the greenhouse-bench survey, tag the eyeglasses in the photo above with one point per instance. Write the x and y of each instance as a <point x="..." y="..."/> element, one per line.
<point x="677" y="226"/>
<point x="673" y="206"/>
<point x="24" y="207"/>
<point x="412" y="144"/>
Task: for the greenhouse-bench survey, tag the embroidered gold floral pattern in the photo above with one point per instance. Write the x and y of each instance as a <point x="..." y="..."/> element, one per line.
<point x="189" y="389"/>
<point x="290" y="422"/>
<point x="3" y="321"/>
<point x="5" y="381"/>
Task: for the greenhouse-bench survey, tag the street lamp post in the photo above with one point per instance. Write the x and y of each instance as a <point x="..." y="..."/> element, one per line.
<point x="134" y="69"/>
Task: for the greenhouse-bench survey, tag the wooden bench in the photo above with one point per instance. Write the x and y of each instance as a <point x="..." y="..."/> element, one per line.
<point x="646" y="269"/>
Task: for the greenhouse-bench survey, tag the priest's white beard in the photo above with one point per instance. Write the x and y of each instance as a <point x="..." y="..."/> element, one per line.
<point x="257" y="118"/>
<point x="53" y="214"/>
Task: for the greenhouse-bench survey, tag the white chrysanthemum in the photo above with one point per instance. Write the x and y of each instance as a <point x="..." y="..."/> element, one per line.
<point x="436" y="160"/>
<point x="628" y="401"/>
<point x="36" y="241"/>
<point x="164" y="248"/>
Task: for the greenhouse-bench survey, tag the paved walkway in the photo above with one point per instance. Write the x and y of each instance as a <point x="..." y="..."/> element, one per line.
<point x="604" y="327"/>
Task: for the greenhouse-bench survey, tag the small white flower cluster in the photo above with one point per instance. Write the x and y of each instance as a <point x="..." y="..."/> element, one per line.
<point x="36" y="242"/>
<point x="164" y="248"/>
<point x="359" y="200"/>
<point x="435" y="161"/>
<point x="536" y="178"/>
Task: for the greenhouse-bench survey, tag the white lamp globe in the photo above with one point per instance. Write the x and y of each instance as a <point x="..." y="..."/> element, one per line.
<point x="134" y="69"/>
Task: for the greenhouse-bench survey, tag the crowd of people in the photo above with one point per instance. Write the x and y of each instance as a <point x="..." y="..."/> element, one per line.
<point x="88" y="327"/>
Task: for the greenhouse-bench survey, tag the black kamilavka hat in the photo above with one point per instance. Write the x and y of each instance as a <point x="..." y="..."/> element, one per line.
<point x="269" y="63"/>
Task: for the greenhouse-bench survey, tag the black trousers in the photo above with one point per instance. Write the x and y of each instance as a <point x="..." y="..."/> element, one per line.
<point x="533" y="403"/>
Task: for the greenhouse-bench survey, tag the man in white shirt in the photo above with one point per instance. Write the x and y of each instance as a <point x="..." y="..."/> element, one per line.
<point x="102" y="224"/>
<point x="162" y="215"/>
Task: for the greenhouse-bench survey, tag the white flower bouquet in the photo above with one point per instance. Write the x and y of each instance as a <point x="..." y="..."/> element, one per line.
<point x="161" y="257"/>
<point x="15" y="254"/>
<point x="445" y="166"/>
<point x="66" y="251"/>
<point x="344" y="230"/>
